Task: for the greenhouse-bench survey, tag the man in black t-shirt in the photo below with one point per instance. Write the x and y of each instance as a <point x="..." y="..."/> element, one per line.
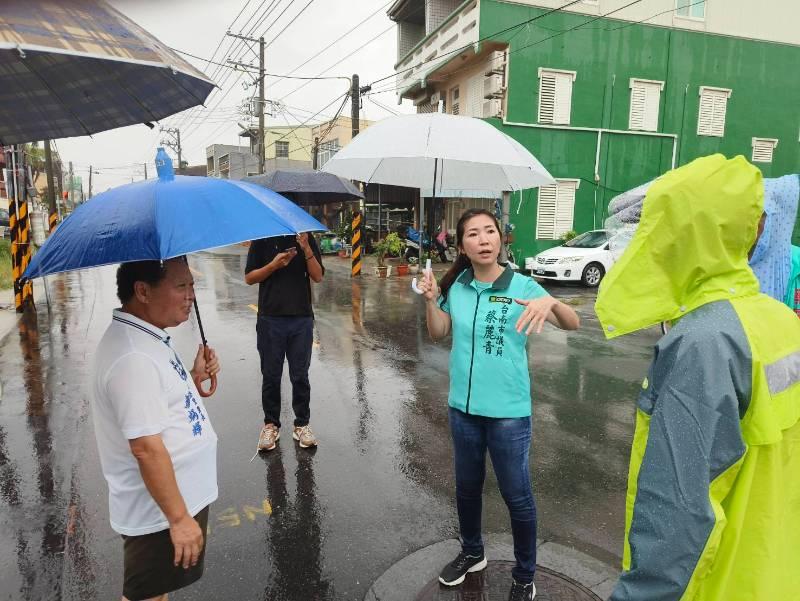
<point x="283" y="268"/>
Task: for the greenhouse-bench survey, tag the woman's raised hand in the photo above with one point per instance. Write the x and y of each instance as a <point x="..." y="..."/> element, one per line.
<point x="429" y="286"/>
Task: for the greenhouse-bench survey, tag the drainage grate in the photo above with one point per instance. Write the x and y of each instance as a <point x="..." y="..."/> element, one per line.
<point x="492" y="584"/>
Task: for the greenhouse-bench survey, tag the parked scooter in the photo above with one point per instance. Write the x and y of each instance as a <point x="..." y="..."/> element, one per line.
<point x="412" y="237"/>
<point x="446" y="252"/>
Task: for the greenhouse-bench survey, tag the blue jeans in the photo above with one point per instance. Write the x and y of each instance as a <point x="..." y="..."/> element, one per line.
<point x="508" y="441"/>
<point x="289" y="339"/>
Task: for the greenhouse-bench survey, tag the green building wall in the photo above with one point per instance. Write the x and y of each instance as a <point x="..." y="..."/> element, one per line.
<point x="606" y="54"/>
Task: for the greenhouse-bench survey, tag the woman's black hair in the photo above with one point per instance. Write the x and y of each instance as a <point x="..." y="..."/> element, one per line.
<point x="462" y="262"/>
<point x="151" y="272"/>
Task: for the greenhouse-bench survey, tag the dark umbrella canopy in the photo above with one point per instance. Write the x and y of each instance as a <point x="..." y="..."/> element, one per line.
<point x="78" y="67"/>
<point x="308" y="187"/>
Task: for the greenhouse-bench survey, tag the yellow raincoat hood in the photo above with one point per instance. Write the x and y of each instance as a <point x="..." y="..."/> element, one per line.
<point x="698" y="224"/>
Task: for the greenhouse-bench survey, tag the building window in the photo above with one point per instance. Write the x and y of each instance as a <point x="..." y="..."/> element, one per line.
<point x="763" y="149"/>
<point x="282" y="149"/>
<point x="713" y="109"/>
<point x="556" y="209"/>
<point x="475" y="97"/>
<point x="326" y="151"/>
<point x="555" y="96"/>
<point x="693" y="9"/>
<point x="645" y="104"/>
<point x="454" y="101"/>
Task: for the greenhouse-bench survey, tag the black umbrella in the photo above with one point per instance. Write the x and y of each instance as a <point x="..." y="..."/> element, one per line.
<point x="74" y="68"/>
<point x="308" y="187"/>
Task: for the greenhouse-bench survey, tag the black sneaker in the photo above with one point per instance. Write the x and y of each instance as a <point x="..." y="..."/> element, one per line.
<point x="521" y="592"/>
<point x="455" y="571"/>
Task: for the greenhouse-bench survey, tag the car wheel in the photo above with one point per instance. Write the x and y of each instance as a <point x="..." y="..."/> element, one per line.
<point x="592" y="275"/>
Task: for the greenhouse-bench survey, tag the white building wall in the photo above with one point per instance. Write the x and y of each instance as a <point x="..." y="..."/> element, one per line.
<point x="768" y="20"/>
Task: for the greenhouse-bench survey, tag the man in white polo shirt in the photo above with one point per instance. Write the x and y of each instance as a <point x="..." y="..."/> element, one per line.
<point x="157" y="446"/>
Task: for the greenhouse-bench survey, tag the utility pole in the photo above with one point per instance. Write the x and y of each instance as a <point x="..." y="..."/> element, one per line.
<point x="174" y="142"/>
<point x="315" y="155"/>
<point x="51" y="187"/>
<point x="70" y="185"/>
<point x="145" y="170"/>
<point x="355" y="98"/>
<point x="262" y="151"/>
<point x="261" y="97"/>
<point x="90" y="181"/>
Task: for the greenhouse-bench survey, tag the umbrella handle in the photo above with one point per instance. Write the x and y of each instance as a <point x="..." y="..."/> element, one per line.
<point x="198" y="383"/>
<point x="414" y="281"/>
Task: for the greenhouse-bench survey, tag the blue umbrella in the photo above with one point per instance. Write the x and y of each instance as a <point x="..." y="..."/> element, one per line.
<point x="168" y="217"/>
<point x="158" y="219"/>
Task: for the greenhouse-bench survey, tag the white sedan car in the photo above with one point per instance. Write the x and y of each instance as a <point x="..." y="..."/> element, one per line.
<point x="585" y="259"/>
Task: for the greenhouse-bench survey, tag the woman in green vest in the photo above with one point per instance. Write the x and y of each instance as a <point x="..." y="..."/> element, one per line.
<point x="713" y="503"/>
<point x="490" y="310"/>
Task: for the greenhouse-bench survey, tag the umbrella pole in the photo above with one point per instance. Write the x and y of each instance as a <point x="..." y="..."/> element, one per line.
<point x="433" y="204"/>
<point x="213" y="388"/>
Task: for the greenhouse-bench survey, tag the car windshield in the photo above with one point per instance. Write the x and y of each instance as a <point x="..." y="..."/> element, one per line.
<point x="588" y="240"/>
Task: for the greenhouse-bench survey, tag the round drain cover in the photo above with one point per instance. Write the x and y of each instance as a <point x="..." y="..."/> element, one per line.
<point x="493" y="583"/>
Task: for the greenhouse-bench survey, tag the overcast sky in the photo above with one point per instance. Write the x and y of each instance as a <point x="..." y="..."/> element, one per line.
<point x="198" y="26"/>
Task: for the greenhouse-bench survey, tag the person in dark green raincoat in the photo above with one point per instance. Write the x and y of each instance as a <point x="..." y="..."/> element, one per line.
<point x="713" y="503"/>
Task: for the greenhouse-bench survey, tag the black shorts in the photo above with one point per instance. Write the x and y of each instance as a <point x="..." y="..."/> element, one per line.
<point x="149" y="564"/>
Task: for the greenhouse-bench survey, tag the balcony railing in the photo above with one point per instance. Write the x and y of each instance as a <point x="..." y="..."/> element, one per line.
<point x="458" y="31"/>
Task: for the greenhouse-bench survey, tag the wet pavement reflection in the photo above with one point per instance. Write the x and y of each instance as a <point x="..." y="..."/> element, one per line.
<point x="300" y="524"/>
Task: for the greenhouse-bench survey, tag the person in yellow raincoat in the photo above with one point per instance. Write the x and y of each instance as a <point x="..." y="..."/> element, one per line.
<point x="713" y="503"/>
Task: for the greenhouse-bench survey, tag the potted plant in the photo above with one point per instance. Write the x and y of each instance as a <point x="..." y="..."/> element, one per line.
<point x="390" y="245"/>
<point x="344" y="233"/>
<point x="403" y="267"/>
<point x="413" y="265"/>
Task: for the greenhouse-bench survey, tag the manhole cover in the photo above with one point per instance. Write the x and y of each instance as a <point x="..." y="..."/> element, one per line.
<point x="492" y="584"/>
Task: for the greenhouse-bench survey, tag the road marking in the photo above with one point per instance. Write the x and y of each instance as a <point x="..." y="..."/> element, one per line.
<point x="253" y="307"/>
<point x="231" y="517"/>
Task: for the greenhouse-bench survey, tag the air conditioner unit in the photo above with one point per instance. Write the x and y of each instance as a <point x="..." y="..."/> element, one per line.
<point x="435" y="98"/>
<point x="493" y="86"/>
<point x="492" y="108"/>
<point x="496" y="62"/>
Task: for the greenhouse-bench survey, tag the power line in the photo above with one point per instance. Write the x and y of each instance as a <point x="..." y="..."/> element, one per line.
<point x="255" y="69"/>
<point x="304" y="123"/>
<point x="191" y="113"/>
<point x="236" y="44"/>
<point x="344" y="58"/>
<point x="341" y="37"/>
<point x="289" y="24"/>
<point x="222" y="38"/>
<point x="278" y="18"/>
<point x="384" y="107"/>
<point x="193" y="123"/>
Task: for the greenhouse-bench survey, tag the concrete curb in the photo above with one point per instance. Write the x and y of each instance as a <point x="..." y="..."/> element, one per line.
<point x="405" y="579"/>
<point x="8" y="314"/>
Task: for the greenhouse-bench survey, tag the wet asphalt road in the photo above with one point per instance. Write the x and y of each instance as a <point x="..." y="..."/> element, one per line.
<point x="297" y="524"/>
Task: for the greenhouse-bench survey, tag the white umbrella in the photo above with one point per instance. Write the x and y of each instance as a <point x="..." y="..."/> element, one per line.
<point x="445" y="152"/>
<point x="462" y="152"/>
